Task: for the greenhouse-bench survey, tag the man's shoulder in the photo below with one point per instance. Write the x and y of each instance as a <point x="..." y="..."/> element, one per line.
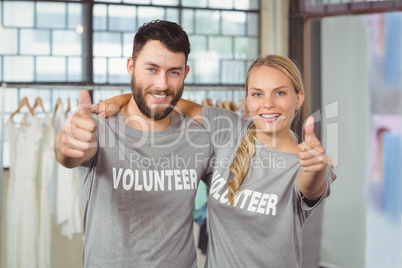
<point x="105" y="121"/>
<point x="185" y="121"/>
<point x="217" y="113"/>
<point x="215" y="118"/>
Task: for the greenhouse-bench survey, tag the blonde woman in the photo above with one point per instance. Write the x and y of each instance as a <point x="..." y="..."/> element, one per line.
<point x="264" y="185"/>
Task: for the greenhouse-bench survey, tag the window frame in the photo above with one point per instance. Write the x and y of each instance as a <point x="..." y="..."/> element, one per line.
<point x="87" y="55"/>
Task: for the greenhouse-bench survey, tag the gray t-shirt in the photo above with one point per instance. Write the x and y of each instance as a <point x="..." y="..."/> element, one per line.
<point x="264" y="228"/>
<point x="137" y="194"/>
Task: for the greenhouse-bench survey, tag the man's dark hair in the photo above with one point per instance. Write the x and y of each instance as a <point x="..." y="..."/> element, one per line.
<point x="170" y="34"/>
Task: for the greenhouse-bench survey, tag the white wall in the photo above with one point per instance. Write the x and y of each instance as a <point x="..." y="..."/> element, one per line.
<point x="345" y="93"/>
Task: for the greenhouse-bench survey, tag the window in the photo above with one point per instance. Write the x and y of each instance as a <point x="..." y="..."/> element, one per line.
<point x="46" y="51"/>
<point x="46" y="37"/>
<point x="49" y="41"/>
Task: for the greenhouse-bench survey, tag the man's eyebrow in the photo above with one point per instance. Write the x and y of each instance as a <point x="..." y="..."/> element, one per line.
<point x="151" y="63"/>
<point x="176" y="68"/>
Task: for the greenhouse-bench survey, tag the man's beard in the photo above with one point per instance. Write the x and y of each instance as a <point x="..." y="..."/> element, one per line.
<point x="155" y="114"/>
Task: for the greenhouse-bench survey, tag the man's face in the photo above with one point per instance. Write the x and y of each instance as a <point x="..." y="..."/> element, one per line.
<point x="157" y="79"/>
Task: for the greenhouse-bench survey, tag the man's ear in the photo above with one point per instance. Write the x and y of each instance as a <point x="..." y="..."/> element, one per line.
<point x="130" y="66"/>
<point x="187" y="70"/>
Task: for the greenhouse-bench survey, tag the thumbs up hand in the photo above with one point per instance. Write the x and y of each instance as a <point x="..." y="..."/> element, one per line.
<point x="76" y="143"/>
<point x="312" y="156"/>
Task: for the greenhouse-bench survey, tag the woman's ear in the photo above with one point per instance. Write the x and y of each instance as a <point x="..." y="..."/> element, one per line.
<point x="130" y="66"/>
<point x="300" y="99"/>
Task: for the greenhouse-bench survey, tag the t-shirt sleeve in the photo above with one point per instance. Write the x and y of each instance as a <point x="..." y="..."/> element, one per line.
<point x="207" y="177"/>
<point x="225" y="126"/>
<point x="309" y="209"/>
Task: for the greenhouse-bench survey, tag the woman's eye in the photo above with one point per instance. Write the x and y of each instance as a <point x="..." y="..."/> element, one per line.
<point x="257" y="94"/>
<point x="280" y="93"/>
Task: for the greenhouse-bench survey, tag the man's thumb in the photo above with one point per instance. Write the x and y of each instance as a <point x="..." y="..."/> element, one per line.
<point x="85" y="101"/>
<point x="309" y="128"/>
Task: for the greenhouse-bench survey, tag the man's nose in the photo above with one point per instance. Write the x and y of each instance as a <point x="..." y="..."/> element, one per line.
<point x="161" y="81"/>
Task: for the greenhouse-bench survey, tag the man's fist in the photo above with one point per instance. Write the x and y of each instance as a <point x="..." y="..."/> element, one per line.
<point x="77" y="136"/>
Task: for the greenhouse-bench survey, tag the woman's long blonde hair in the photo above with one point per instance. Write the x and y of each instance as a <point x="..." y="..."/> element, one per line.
<point x="246" y="150"/>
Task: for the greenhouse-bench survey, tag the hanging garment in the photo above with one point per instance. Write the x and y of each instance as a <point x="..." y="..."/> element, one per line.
<point x="203" y="238"/>
<point x="46" y="164"/>
<point x="200" y="204"/>
<point x="68" y="213"/>
<point x="22" y="210"/>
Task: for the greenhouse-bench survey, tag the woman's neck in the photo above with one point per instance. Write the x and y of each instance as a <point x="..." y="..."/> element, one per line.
<point x="279" y="142"/>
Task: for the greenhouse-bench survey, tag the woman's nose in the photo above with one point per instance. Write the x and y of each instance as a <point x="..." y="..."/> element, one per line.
<point x="268" y="102"/>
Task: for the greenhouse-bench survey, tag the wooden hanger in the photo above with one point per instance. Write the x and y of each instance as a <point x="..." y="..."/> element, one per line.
<point x="23" y="102"/>
<point x="58" y="102"/>
<point x="226" y="105"/>
<point x="210" y="102"/>
<point x="219" y="104"/>
<point x="68" y="106"/>
<point x="244" y="109"/>
<point x="233" y="106"/>
<point x="38" y="102"/>
<point x="205" y="102"/>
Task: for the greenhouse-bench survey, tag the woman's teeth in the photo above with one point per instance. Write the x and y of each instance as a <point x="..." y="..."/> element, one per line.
<point x="269" y="115"/>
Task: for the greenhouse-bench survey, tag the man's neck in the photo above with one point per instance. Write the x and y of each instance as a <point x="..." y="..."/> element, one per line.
<point x="135" y="119"/>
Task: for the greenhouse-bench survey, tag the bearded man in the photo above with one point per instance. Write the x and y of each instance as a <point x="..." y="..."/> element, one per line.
<point x="136" y="204"/>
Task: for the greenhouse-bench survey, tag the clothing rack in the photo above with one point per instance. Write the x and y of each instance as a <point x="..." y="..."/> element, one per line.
<point x="3" y="88"/>
<point x="208" y="89"/>
<point x="55" y="86"/>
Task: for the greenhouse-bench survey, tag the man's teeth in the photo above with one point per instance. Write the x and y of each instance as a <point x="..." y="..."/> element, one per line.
<point x="269" y="115"/>
<point x="159" y="96"/>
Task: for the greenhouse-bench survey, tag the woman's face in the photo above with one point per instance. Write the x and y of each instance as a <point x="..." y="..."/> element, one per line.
<point x="272" y="100"/>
